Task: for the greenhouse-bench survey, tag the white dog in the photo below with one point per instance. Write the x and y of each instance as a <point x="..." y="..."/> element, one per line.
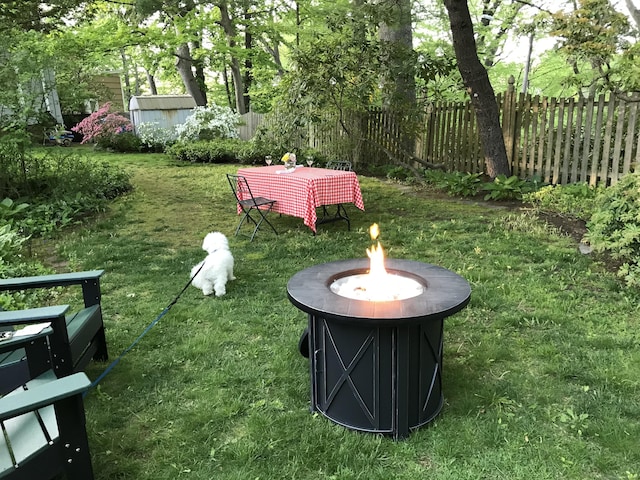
<point x="217" y="267"/>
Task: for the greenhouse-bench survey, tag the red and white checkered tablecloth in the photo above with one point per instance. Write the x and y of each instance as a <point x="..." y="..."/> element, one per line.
<point x="300" y="192"/>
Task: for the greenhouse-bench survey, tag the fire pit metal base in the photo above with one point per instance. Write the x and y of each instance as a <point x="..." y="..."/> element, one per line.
<point x="377" y="366"/>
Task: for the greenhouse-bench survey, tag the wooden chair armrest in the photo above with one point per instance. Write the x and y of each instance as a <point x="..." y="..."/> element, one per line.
<point x="32" y="315"/>
<point x="47" y="281"/>
<point x="42" y="395"/>
<point x="17" y="342"/>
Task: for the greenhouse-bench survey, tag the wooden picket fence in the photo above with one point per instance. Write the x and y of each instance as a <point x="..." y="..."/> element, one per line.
<point x="559" y="140"/>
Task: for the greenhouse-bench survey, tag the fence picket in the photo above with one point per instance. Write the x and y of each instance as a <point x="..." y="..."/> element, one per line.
<point x="597" y="140"/>
<point x="567" y="141"/>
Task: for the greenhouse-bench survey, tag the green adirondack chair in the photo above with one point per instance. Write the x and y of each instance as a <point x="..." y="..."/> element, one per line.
<point x="43" y="421"/>
<point x="80" y="336"/>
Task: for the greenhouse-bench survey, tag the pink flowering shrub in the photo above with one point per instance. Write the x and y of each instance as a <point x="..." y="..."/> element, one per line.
<point x="102" y="127"/>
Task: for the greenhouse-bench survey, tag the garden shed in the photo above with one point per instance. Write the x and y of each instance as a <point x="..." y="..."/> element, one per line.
<point x="165" y="110"/>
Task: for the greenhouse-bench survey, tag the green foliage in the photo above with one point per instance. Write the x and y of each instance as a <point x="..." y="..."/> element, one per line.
<point x="10" y="243"/>
<point x="281" y="136"/>
<point x="509" y="188"/>
<point x="615" y="225"/>
<point x="455" y="183"/>
<point x="63" y="173"/>
<point x="591" y="38"/>
<point x="9" y="209"/>
<point x="13" y="264"/>
<point x="576" y="199"/>
<point x="125" y="142"/>
<point x="31" y="15"/>
<point x="60" y="186"/>
<point x="217" y="151"/>
<point x="397" y="173"/>
<point x="155" y="138"/>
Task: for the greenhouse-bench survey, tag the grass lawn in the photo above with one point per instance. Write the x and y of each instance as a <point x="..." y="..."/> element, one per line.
<point x="540" y="374"/>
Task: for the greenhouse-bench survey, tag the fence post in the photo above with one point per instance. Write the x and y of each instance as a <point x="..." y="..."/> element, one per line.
<point x="509" y="123"/>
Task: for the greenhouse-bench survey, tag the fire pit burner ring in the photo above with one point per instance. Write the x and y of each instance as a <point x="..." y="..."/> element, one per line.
<point x="376" y="366"/>
<point x="388" y="288"/>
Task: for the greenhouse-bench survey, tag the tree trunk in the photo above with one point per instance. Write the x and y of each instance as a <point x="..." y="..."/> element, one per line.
<point x="127" y="78"/>
<point x="398" y="76"/>
<point x="397" y="39"/>
<point x="184" y="65"/>
<point x="234" y="64"/>
<point x="248" y="63"/>
<point x="151" y="80"/>
<point x="198" y="66"/>
<point x="476" y="81"/>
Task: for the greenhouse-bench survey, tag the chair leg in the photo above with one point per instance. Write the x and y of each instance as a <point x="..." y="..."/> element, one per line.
<point x="74" y="436"/>
<point x="263" y="218"/>
<point x="248" y="218"/>
<point x="246" y="215"/>
<point x="102" y="354"/>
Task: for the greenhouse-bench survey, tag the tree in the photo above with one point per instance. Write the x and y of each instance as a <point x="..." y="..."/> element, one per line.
<point x="182" y="36"/>
<point x="476" y="81"/>
<point x="34" y="15"/>
<point x="592" y="37"/>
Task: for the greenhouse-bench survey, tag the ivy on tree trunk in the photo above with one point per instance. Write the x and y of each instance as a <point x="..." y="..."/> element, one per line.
<point x="476" y="81"/>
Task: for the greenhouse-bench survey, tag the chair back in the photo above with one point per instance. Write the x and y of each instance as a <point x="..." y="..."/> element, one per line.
<point x="240" y="188"/>
<point x="339" y="165"/>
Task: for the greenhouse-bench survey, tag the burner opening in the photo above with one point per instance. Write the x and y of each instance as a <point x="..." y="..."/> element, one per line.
<point x="390" y="286"/>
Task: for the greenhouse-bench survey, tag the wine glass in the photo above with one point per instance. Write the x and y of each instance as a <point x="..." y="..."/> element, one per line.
<point x="309" y="160"/>
<point x="268" y="159"/>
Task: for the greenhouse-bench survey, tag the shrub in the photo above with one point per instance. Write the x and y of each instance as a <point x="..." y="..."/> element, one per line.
<point x="154" y="137"/>
<point x="576" y="199"/>
<point x="61" y="188"/>
<point x="125" y="142"/>
<point x="615" y="226"/>
<point x="103" y="127"/>
<point x="509" y="188"/>
<point x="12" y="264"/>
<point x="10" y="243"/>
<point x="455" y="183"/>
<point x="9" y="209"/>
<point x="398" y="173"/>
<point x="228" y="150"/>
<point x="207" y="123"/>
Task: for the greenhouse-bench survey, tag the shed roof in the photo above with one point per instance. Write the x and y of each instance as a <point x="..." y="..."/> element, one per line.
<point x="162" y="102"/>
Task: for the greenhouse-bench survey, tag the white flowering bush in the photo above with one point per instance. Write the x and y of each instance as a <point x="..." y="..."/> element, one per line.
<point x="208" y="123"/>
<point x="154" y="137"/>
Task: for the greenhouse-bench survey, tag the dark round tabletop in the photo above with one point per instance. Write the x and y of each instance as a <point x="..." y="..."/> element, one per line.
<point x="444" y="293"/>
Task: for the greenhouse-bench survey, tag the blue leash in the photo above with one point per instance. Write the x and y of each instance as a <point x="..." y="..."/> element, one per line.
<point x="144" y="332"/>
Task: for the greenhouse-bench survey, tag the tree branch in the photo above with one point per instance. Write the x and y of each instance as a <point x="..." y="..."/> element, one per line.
<point x="529" y="4"/>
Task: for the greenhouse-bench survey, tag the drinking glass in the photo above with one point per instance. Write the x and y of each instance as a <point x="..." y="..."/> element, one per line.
<point x="268" y="159"/>
<point x="309" y="161"/>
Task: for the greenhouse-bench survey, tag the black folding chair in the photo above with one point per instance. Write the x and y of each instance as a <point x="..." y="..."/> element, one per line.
<point x="339" y="165"/>
<point x="341" y="213"/>
<point x="249" y="203"/>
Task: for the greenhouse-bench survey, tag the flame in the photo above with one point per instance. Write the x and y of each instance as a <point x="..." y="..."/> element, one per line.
<point x="374" y="231"/>
<point x="377" y="272"/>
<point x="378" y="285"/>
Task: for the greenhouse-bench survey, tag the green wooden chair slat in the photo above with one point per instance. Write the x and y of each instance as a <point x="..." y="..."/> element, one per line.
<point x="80" y="335"/>
<point x="27" y="439"/>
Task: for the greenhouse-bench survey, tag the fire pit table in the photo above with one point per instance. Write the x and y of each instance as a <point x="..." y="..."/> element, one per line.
<point x="376" y="366"/>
